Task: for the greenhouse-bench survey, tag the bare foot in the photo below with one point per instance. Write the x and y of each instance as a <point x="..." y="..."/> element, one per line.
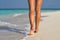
<point x="36" y="31"/>
<point x="31" y="32"/>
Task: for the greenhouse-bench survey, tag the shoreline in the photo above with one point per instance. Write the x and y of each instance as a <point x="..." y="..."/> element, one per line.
<point x="47" y="27"/>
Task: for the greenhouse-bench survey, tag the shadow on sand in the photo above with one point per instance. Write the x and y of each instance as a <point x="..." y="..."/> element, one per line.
<point x="44" y="17"/>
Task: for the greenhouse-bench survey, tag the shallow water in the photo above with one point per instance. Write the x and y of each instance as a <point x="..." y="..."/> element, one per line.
<point x="13" y="24"/>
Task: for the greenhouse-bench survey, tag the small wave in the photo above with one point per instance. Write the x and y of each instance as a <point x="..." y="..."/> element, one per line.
<point x="16" y="15"/>
<point x="26" y="26"/>
<point x="8" y="24"/>
<point x="26" y="31"/>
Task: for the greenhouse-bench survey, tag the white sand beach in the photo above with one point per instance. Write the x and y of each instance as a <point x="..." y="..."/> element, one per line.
<point x="49" y="28"/>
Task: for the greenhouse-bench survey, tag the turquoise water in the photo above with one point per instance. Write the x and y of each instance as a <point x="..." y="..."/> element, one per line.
<point x="6" y="12"/>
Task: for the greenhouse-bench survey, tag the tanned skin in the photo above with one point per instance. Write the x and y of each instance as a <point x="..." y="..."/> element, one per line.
<point x="34" y="5"/>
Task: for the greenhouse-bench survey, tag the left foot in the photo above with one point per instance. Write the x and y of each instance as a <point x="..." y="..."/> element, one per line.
<point x="31" y="32"/>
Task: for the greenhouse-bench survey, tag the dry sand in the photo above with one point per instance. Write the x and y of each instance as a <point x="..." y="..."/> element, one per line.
<point x="49" y="28"/>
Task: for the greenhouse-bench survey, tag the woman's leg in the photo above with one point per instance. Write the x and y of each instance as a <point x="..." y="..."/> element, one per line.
<point x="31" y="15"/>
<point x="38" y="4"/>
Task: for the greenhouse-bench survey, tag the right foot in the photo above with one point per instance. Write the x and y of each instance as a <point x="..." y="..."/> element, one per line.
<point x="36" y="31"/>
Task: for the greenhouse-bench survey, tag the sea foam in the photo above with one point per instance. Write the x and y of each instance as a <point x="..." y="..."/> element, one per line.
<point x="15" y="15"/>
